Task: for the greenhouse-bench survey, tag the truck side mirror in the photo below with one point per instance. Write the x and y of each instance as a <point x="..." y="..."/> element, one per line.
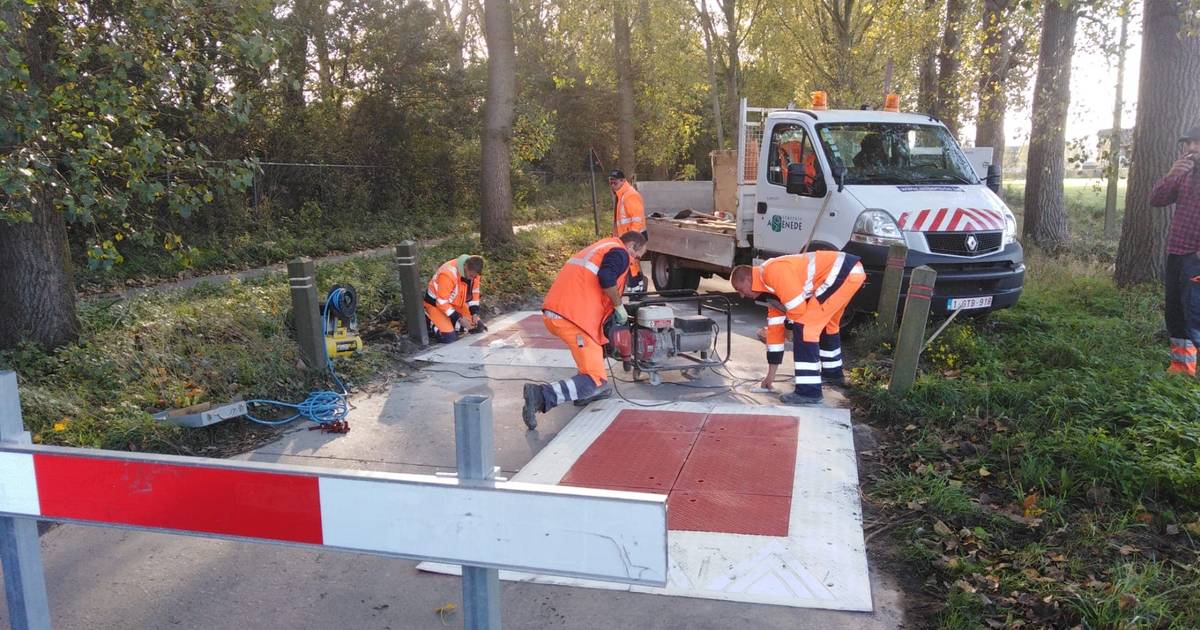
<point x="993" y="178"/>
<point x="800" y="182"/>
<point x="838" y="170"/>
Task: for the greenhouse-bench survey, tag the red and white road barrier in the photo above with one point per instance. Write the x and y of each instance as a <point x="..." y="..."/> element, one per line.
<point x="537" y="528"/>
<point x="474" y="521"/>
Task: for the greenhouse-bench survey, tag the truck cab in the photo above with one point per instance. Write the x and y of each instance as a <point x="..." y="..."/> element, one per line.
<point x="868" y="179"/>
<point x="849" y="180"/>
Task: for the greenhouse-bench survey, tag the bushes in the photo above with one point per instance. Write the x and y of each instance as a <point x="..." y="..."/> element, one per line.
<point x="1056" y="418"/>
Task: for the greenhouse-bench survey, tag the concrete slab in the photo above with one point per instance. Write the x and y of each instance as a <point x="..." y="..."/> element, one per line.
<point x="820" y="560"/>
<point x="103" y="578"/>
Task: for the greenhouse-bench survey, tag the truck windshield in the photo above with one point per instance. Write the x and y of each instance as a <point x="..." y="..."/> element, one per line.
<point x="895" y="153"/>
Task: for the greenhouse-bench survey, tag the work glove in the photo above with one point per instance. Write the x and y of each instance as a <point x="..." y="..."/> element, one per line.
<point x="479" y="327"/>
<point x="620" y="314"/>
<point x="637" y="285"/>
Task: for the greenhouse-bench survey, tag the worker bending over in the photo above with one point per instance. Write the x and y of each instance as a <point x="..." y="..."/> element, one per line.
<point x="629" y="212"/>
<point x="811" y="291"/>
<point x="452" y="300"/>
<point x="586" y="291"/>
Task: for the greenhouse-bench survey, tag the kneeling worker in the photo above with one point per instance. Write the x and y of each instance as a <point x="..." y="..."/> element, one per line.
<point x="452" y="300"/>
<point x="811" y="291"/>
<point x="587" y="289"/>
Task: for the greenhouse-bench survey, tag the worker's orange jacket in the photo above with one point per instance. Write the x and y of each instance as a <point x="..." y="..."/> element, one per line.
<point x="452" y="294"/>
<point x="806" y="286"/>
<point x="630" y="211"/>
<point x="576" y="295"/>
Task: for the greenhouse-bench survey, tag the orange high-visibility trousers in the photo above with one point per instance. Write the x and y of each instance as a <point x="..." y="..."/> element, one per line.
<point x="588" y="355"/>
<point x="826" y="317"/>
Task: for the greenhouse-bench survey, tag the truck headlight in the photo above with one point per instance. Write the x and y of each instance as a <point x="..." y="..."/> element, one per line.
<point x="1010" y="228"/>
<point x="876" y="227"/>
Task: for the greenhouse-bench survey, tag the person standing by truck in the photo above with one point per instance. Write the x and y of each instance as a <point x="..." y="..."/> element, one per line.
<point x="585" y="293"/>
<point x="629" y="211"/>
<point x="1181" y="186"/>
<point x="811" y="291"/>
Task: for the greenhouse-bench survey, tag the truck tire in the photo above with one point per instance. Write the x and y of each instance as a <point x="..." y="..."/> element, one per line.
<point x="668" y="275"/>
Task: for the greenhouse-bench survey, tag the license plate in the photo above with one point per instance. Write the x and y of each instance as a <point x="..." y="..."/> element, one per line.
<point x="955" y="304"/>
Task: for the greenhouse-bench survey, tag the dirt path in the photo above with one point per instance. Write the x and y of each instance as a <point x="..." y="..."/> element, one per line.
<point x="248" y="274"/>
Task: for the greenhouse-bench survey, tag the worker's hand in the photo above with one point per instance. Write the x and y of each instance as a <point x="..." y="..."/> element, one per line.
<point x="768" y="382"/>
<point x="620" y="314"/>
<point x="478" y="327"/>
<point x="1182" y="166"/>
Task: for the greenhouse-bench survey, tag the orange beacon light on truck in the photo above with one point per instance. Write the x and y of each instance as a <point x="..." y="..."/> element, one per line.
<point x="820" y="100"/>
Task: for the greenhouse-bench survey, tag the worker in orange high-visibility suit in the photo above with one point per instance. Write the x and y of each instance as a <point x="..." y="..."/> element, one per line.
<point x="629" y="212"/>
<point x="811" y="291"/>
<point x="586" y="291"/>
<point x="452" y="299"/>
<point x="792" y="152"/>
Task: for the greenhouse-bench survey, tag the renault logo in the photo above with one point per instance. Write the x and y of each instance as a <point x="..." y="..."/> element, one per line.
<point x="972" y="243"/>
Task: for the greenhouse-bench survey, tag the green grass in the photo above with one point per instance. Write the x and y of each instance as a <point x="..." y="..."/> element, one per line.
<point x="1085" y="200"/>
<point x="309" y="233"/>
<point x="1061" y="460"/>
<point x="216" y="342"/>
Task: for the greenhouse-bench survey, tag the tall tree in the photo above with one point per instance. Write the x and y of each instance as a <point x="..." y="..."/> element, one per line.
<point x="105" y="135"/>
<point x="495" y="225"/>
<point x="1115" y="137"/>
<point x="927" y="96"/>
<point x="1168" y="102"/>
<point x="711" y="39"/>
<point x="948" y="95"/>
<point x="623" y="60"/>
<point x="1045" y="206"/>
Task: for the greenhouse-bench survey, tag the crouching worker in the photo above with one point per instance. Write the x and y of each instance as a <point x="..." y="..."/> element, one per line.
<point x="452" y="301"/>
<point x="811" y="291"/>
<point x="586" y="291"/>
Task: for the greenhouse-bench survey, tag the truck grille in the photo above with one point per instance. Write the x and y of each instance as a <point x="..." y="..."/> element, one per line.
<point x="958" y="243"/>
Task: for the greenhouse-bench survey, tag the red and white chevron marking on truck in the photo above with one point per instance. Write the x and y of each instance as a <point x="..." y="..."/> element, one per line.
<point x="951" y="220"/>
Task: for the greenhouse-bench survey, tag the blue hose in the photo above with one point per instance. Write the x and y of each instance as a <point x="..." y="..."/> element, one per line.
<point x="322" y="407"/>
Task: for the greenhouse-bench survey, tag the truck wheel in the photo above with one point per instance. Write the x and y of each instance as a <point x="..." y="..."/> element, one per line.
<point x="669" y="276"/>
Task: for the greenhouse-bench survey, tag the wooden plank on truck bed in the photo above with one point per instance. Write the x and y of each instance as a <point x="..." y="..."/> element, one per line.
<point x="692" y="241"/>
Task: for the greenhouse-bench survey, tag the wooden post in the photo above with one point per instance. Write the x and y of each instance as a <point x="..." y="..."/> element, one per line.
<point x="310" y="333"/>
<point x="889" y="292"/>
<point x="912" y="329"/>
<point x="408" y="265"/>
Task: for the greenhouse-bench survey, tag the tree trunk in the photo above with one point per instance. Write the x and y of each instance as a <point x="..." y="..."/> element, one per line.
<point x="948" y="65"/>
<point x="627" y="158"/>
<point x="927" y="95"/>
<point x="1045" y="207"/>
<point x="294" y="59"/>
<point x="733" y="67"/>
<point x="1168" y="99"/>
<point x="710" y="54"/>
<point x="993" y="102"/>
<point x="36" y="281"/>
<point x="495" y="225"/>
<point x="1114" y="141"/>
<point x="320" y="31"/>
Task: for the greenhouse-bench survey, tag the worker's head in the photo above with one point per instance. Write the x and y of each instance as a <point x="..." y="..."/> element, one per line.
<point x="635" y="244"/>
<point x="1190" y="141"/>
<point x="473" y="267"/>
<point x="616" y="179"/>
<point x="742" y="280"/>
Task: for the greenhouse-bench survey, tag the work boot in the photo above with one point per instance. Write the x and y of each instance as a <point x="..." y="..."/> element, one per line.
<point x="534" y="403"/>
<point x="600" y="394"/>
<point x="792" y="398"/>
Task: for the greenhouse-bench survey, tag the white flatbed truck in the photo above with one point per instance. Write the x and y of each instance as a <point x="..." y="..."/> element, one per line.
<point x="849" y="180"/>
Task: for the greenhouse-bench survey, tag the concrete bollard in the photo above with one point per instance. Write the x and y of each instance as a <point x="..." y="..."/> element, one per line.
<point x="20" y="551"/>
<point x="310" y="333"/>
<point x="889" y="291"/>
<point x="476" y="457"/>
<point x="912" y="329"/>
<point x="408" y="267"/>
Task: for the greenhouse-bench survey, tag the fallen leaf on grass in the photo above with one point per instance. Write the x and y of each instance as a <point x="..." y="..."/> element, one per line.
<point x="964" y="586"/>
<point x="941" y="528"/>
<point x="1127" y="601"/>
<point x="1127" y="550"/>
<point x="1193" y="528"/>
<point x="911" y="427"/>
<point x="1172" y="530"/>
<point x="984" y="472"/>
